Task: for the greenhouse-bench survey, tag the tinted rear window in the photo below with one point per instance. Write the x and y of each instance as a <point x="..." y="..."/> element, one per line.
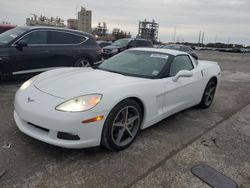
<point x="57" y="37"/>
<point x="149" y="43"/>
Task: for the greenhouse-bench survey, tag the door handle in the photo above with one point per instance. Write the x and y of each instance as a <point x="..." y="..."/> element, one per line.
<point x="44" y="51"/>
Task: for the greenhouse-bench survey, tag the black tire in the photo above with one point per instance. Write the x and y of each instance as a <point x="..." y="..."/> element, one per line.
<point x="111" y="130"/>
<point x="83" y="62"/>
<point x="208" y="95"/>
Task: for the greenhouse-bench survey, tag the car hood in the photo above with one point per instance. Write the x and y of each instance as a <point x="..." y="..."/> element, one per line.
<point x="112" y="47"/>
<point x="67" y="83"/>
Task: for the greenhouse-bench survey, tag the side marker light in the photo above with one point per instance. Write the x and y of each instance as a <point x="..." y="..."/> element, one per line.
<point x="97" y="118"/>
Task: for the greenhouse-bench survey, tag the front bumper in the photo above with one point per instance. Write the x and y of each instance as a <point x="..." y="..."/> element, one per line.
<point x="40" y="120"/>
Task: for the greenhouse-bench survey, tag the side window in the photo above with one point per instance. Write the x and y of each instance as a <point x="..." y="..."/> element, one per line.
<point x="149" y="44"/>
<point x="36" y="37"/>
<point x="132" y="44"/>
<point x="182" y="49"/>
<point x="186" y="49"/>
<point x="57" y="37"/>
<point x="140" y="43"/>
<point x="181" y="62"/>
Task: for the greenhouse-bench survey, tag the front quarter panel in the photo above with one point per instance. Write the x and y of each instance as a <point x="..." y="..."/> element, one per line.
<point x="149" y="92"/>
<point x="209" y="70"/>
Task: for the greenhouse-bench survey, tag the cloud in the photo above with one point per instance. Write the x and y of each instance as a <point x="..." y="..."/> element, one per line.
<point x="221" y="19"/>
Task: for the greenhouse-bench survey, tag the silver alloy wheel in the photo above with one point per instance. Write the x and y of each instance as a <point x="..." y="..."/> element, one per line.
<point x="84" y="63"/>
<point x="125" y="126"/>
<point x="209" y="94"/>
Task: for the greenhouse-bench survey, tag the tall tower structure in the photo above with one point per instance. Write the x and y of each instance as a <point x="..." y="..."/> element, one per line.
<point x="85" y="20"/>
<point x="148" y="30"/>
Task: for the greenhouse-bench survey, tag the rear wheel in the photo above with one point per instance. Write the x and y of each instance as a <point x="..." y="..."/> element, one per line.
<point x="83" y="62"/>
<point x="208" y="95"/>
<point x="122" y="125"/>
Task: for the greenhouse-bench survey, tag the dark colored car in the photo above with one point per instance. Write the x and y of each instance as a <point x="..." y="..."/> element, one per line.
<point x="103" y="43"/>
<point x="6" y="27"/>
<point x="37" y="49"/>
<point x="182" y="48"/>
<point x="124" y="44"/>
<point x="233" y="50"/>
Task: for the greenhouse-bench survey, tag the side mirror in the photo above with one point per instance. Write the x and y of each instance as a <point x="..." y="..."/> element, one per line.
<point x="182" y="73"/>
<point x="21" y="44"/>
<point x="95" y="65"/>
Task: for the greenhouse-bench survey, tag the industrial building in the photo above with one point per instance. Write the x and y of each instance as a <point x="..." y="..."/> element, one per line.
<point x="72" y="23"/>
<point x="148" y="30"/>
<point x="44" y="21"/>
<point x="101" y="29"/>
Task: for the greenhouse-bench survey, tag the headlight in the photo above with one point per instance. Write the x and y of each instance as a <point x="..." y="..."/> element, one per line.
<point x="79" y="104"/>
<point x="28" y="83"/>
<point x="114" y="50"/>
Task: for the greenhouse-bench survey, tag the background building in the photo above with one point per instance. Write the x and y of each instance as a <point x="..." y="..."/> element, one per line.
<point x="85" y="20"/>
<point x="148" y="30"/>
<point x="72" y="23"/>
<point x="101" y="29"/>
<point x="119" y="34"/>
<point x="44" y="21"/>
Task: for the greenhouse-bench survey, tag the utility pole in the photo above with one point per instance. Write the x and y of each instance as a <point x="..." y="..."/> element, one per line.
<point x="174" y="34"/>
<point x="199" y="40"/>
<point x="202" y="40"/>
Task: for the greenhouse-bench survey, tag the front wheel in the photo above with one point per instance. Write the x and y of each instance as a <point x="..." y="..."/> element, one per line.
<point x="122" y="125"/>
<point x="208" y="95"/>
<point x="82" y="62"/>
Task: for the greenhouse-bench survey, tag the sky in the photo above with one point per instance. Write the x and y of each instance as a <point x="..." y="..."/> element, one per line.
<point x="225" y="21"/>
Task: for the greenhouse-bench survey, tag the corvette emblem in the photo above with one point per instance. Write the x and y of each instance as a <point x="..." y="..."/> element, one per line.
<point x="30" y="100"/>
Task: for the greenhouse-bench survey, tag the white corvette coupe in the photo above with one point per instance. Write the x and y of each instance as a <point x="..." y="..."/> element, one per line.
<point x="108" y="105"/>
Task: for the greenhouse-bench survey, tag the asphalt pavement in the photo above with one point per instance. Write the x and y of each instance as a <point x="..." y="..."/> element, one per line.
<point x="161" y="156"/>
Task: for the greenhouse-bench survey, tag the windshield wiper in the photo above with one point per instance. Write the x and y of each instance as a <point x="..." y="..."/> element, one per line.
<point x="112" y="71"/>
<point x="118" y="73"/>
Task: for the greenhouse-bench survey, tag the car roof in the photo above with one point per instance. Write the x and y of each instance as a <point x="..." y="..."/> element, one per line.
<point x="161" y="50"/>
<point x="55" y="28"/>
<point x="134" y="39"/>
<point x="177" y="45"/>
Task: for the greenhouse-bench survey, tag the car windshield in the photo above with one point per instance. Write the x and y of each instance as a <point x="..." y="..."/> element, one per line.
<point x="121" y="42"/>
<point x="144" y="64"/>
<point x="9" y="35"/>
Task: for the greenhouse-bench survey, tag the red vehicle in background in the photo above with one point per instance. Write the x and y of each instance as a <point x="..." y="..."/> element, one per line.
<point x="6" y="27"/>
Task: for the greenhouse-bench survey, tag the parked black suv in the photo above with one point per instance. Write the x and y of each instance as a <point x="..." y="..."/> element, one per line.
<point x="36" y="49"/>
<point x="123" y="44"/>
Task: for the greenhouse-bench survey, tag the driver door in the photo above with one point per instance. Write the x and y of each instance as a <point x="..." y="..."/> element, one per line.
<point x="186" y="91"/>
<point x="32" y="57"/>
